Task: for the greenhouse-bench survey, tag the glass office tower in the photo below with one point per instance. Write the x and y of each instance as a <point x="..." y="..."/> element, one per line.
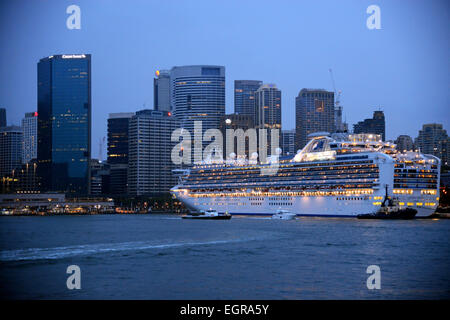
<point x="64" y="123"/>
<point x="244" y="96"/>
<point x="198" y="94"/>
<point x="118" y="125"/>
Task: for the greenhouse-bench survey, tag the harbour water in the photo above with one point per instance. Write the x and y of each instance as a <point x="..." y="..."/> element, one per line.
<point x="165" y="257"/>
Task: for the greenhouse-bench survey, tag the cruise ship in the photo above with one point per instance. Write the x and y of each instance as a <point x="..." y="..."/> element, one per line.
<point x="337" y="175"/>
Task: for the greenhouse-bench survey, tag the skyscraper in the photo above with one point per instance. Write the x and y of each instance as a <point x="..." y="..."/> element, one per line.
<point x="268" y="114"/>
<point x="150" y="148"/>
<point x="268" y="107"/>
<point x="2" y="117"/>
<point x="433" y="139"/>
<point x="10" y="149"/>
<point x="29" y="128"/>
<point x="314" y="112"/>
<point x="375" y="125"/>
<point x="198" y="94"/>
<point x="64" y="123"/>
<point x="161" y="91"/>
<point x="118" y="125"/>
<point x="244" y="96"/>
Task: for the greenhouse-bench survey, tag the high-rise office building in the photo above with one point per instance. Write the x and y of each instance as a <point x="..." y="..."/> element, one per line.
<point x="288" y="142"/>
<point x="64" y="123"/>
<point x="268" y="114"/>
<point x="29" y="128"/>
<point x="375" y="125"/>
<point x="244" y="96"/>
<point x="268" y="107"/>
<point x="2" y="117"/>
<point x="149" y="157"/>
<point x="11" y="139"/>
<point x="404" y="143"/>
<point x="433" y="139"/>
<point x="314" y="112"/>
<point x="161" y="91"/>
<point x="198" y="94"/>
<point x="118" y="125"/>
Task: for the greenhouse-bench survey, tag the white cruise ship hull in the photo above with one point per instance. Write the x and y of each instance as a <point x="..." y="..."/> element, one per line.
<point x="302" y="206"/>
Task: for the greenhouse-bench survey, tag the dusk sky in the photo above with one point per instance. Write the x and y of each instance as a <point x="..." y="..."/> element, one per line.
<point x="402" y="68"/>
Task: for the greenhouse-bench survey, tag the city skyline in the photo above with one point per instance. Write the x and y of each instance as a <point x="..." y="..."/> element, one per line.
<point x="391" y="78"/>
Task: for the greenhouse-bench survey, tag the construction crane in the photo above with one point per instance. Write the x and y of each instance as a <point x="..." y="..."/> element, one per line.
<point x="337" y="106"/>
<point x="337" y="94"/>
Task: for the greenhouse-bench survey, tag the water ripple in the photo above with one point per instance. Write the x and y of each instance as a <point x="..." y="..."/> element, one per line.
<point x="93" y="249"/>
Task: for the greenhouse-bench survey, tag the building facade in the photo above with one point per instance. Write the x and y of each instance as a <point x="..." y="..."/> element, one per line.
<point x="22" y="179"/>
<point x="288" y="142"/>
<point x="100" y="174"/>
<point x="244" y="96"/>
<point x="404" y="143"/>
<point x="150" y="148"/>
<point x="198" y="95"/>
<point x="268" y="107"/>
<point x="161" y="91"/>
<point x="235" y="121"/>
<point x="314" y="112"/>
<point x="64" y="123"/>
<point x="118" y="126"/>
<point x="376" y="125"/>
<point x="433" y="139"/>
<point x="29" y="128"/>
<point x="268" y="115"/>
<point x="11" y="139"/>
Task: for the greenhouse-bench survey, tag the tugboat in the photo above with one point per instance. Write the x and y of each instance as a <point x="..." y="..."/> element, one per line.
<point x="391" y="210"/>
<point x="208" y="215"/>
<point x="283" y="215"/>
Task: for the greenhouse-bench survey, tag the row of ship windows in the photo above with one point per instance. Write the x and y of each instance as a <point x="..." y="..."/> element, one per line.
<point x="291" y="191"/>
<point x="318" y="166"/>
<point x="283" y="177"/>
<point x="284" y="173"/>
<point x="352" y="198"/>
<point x="257" y="170"/>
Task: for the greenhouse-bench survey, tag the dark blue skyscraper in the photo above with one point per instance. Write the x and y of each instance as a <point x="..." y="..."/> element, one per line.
<point x="64" y="123"/>
<point x="118" y="125"/>
<point x="244" y="96"/>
